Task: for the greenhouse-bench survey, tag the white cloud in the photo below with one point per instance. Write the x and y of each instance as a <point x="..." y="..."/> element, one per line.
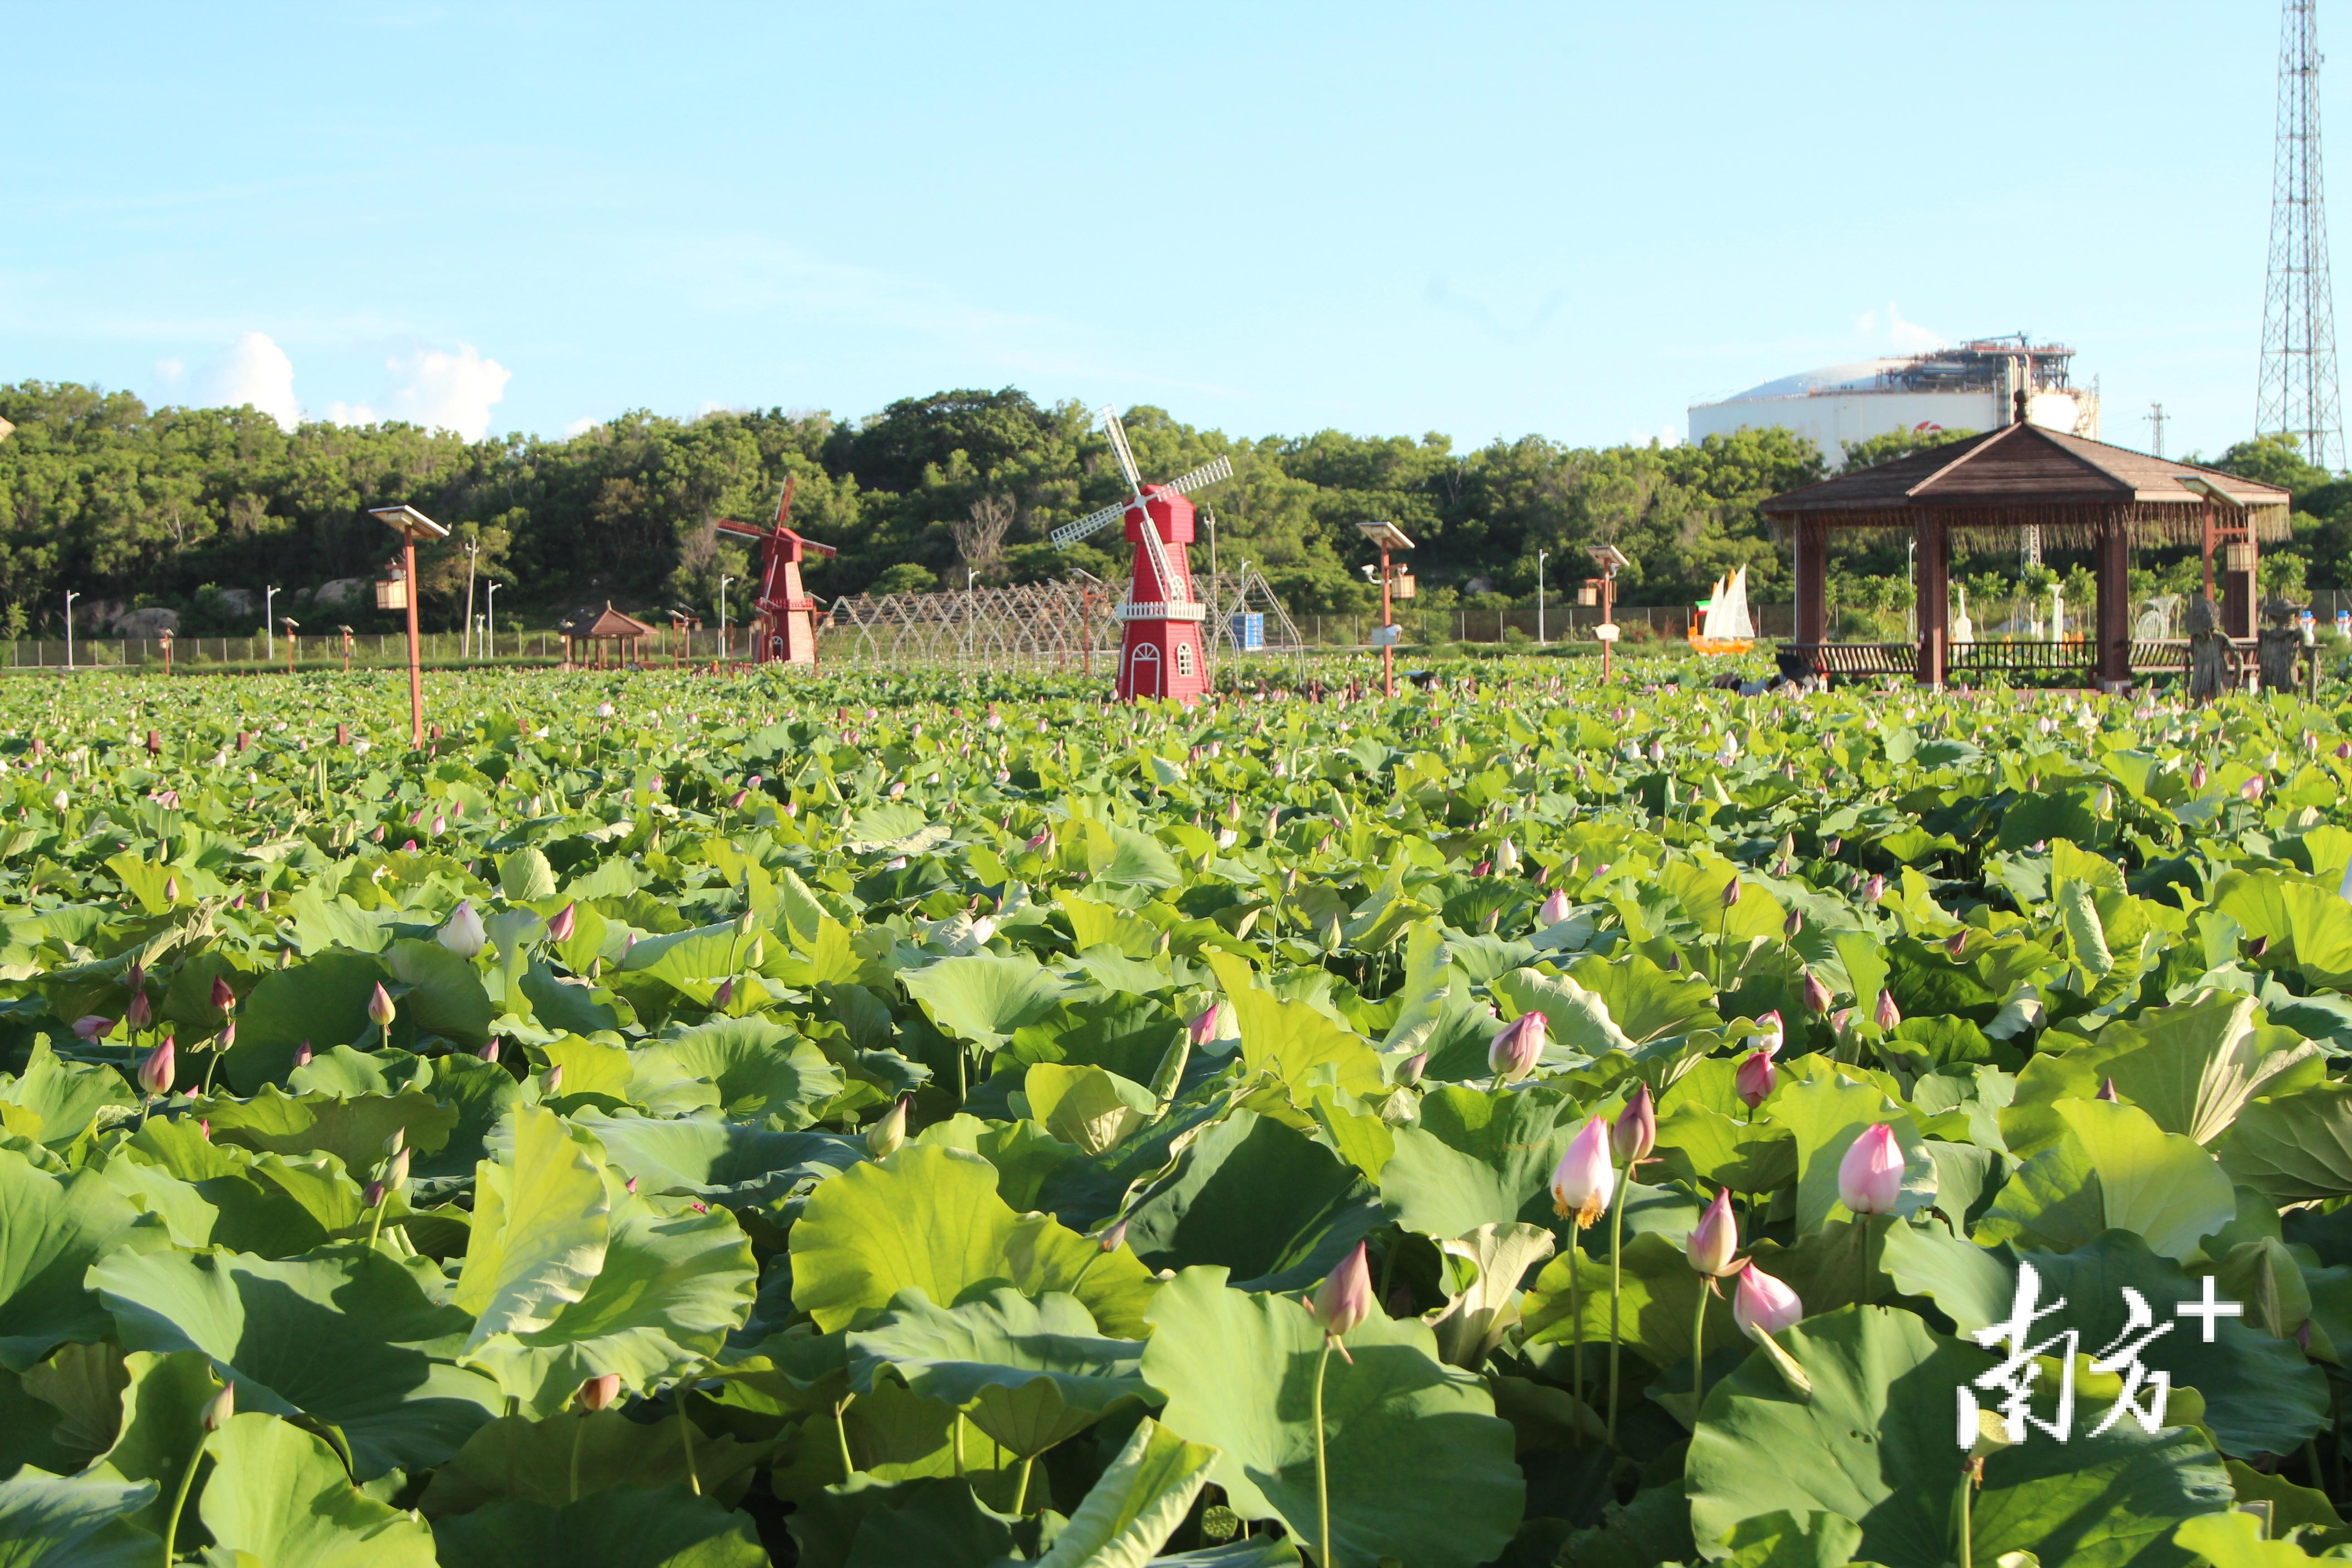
<point x="252" y="370"/>
<point x="450" y="390"/>
<point x="350" y="414"/>
<point x="581" y="427"/>
<point x="1896" y="333"/>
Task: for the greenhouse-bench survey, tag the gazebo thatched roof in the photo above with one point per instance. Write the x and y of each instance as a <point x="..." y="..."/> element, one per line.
<point x="612" y="623"/>
<point x="2022" y="475"/>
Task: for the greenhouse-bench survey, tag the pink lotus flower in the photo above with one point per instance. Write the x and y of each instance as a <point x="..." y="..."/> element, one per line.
<point x="379" y="1007"/>
<point x="224" y="999"/>
<point x="1795" y="923"/>
<point x="724" y="994"/>
<point x="1715" y="1237"/>
<point x="1756" y="1078"/>
<point x="1345" y="1299"/>
<point x="1956" y="944"/>
<point x="1774" y="1033"/>
<point x="552" y="1080"/>
<point x="2197" y="776"/>
<point x="2107" y="1092"/>
<point x="1636" y="1132"/>
<point x="1873" y="889"/>
<point x="1816" y="995"/>
<point x="139" y="1015"/>
<point x="1887" y="1015"/>
<point x="559" y="929"/>
<point x="1409" y="1072"/>
<point x="1584" y="1182"/>
<point x="490" y="1051"/>
<point x="1763" y="1305"/>
<point x="227" y="1036"/>
<point x="156" y="1069"/>
<point x="2252" y="788"/>
<point x="91" y="1028"/>
<point x="302" y="1055"/>
<point x="599" y="1392"/>
<point x="1204" y="1027"/>
<point x="889" y="1135"/>
<point x="1554" y="911"/>
<point x="220" y="1408"/>
<point x="1115" y="1237"/>
<point x="1513" y="1054"/>
<point x="1870" y="1177"/>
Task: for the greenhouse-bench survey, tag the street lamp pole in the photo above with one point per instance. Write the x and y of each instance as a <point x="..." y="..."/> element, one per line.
<point x="72" y="594"/>
<point x="1539" y="619"/>
<point x="411" y="525"/>
<point x="490" y="636"/>
<point x="723" y="581"/>
<point x="268" y="604"/>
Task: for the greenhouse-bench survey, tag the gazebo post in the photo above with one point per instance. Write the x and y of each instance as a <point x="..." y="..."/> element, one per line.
<point x="1935" y="598"/>
<point x="2112" y="667"/>
<point x="1812" y="582"/>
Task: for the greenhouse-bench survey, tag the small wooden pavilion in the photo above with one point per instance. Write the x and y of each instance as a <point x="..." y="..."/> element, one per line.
<point x="2079" y="493"/>
<point x="594" y="640"/>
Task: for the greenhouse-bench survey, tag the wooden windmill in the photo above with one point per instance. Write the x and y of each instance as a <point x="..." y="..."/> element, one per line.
<point x="1160" y="654"/>
<point x="784" y="615"/>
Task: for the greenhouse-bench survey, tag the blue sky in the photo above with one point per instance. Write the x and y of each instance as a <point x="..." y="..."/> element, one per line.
<point x="1488" y="220"/>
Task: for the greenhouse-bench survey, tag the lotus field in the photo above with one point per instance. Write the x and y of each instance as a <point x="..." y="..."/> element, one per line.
<point x="856" y="1123"/>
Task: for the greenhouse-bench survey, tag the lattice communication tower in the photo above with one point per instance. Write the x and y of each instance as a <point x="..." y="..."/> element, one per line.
<point x="2298" y="394"/>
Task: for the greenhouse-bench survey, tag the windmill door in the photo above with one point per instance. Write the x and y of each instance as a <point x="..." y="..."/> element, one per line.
<point x="1143" y="670"/>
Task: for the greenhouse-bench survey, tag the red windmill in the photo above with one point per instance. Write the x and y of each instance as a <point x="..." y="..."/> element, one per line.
<point x="1159" y="650"/>
<point x="783" y="613"/>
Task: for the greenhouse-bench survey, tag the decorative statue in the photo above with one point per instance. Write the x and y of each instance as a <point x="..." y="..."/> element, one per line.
<point x="2280" y="643"/>
<point x="2208" y="650"/>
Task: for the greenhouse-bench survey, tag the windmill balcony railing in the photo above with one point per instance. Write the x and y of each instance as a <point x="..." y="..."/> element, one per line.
<point x="1163" y="610"/>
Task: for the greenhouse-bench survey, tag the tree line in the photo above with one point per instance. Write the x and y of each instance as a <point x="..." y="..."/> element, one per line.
<point x="171" y="506"/>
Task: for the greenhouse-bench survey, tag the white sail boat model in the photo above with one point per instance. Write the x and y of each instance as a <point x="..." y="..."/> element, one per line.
<point x="1724" y="626"/>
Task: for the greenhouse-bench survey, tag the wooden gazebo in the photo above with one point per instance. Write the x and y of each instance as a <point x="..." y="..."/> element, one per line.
<point x="601" y="634"/>
<point x="2081" y="494"/>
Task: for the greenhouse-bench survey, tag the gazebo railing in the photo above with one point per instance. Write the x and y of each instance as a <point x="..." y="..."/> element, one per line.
<point x="2149" y="656"/>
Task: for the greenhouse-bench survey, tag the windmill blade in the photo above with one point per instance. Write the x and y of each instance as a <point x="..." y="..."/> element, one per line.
<point x="741" y="529"/>
<point x="1069" y="534"/>
<point x="784" y="504"/>
<point x="1208" y="473"/>
<point x="1109" y="420"/>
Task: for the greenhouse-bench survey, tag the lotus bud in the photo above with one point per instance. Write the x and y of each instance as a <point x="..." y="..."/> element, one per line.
<point x="724" y="994"/>
<point x="889" y="1135"/>
<point x="227" y="1038"/>
<point x="552" y="1080"/>
<point x="1714" y="1238"/>
<point x="1731" y="892"/>
<point x="1816" y="994"/>
<point x="1410" y="1070"/>
<point x="302" y="1055"/>
<point x="1830" y="850"/>
<point x="1554" y="911"/>
<point x="139" y="1015"/>
<point x="1887" y="1015"/>
<point x="2252" y="788"/>
<point x="1115" y="1237"/>
<point x="2107" y="1092"/>
<point x="1513" y="1054"/>
<point x="462" y="933"/>
<point x="1870" y="1177"/>
<point x="1204" y="1026"/>
<point x="373" y="1195"/>
<point x="1774" y="1033"/>
<point x="2259" y="946"/>
<point x="599" y="1392"/>
<point x="630" y="1186"/>
<point x="490" y="1051"/>
<point x="2105" y="802"/>
<point x="560" y="928"/>
<point x="220" y="1408"/>
<point x="156" y="1069"/>
<point x="1956" y="944"/>
<point x="224" y="999"/>
<point x="1507" y="857"/>
<point x="1044" y="842"/>
<point x="397" y="1142"/>
<point x="1874" y="889"/>
<point x="1345" y="1299"/>
<point x="1755" y="1079"/>
<point x="2197" y="776"/>
<point x="1635" y="1132"/>
<point x="91" y="1028"/>
<point x="1335" y="935"/>
<point x="746" y="923"/>
<point x="396" y="1171"/>
<point x="1793" y="925"/>
<point x="1763" y="1305"/>
<point x="1584" y="1182"/>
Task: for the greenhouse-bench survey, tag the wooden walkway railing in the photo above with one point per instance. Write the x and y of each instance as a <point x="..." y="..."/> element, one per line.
<point x="2148" y="656"/>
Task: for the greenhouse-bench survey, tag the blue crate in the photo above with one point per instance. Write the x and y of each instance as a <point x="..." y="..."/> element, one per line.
<point x="1249" y="632"/>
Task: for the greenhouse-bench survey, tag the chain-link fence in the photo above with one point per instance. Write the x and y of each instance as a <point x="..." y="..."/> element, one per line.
<point x="367" y="651"/>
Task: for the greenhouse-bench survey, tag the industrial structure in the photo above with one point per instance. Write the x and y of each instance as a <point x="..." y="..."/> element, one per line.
<point x="1971" y="386"/>
<point x="2298" y="395"/>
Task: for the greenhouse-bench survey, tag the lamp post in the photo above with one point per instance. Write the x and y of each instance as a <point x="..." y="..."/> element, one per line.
<point x="1387" y="536"/>
<point x="1609" y="558"/>
<point x="490" y="635"/>
<point x="72" y="594"/>
<point x="411" y="525"/>
<point x="1539" y="619"/>
<point x="268" y="604"/>
<point x="723" y="581"/>
<point x="473" y="548"/>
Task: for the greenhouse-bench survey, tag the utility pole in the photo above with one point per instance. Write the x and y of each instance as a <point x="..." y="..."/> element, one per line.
<point x="2298" y="392"/>
<point x="1539" y="619"/>
<point x="473" y="546"/>
<point x="2155" y="417"/>
<point x="72" y="594"/>
<point x="723" y="581"/>
<point x="411" y="525"/>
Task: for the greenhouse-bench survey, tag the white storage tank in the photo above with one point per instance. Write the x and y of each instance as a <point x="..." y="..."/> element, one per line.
<point x="1968" y="387"/>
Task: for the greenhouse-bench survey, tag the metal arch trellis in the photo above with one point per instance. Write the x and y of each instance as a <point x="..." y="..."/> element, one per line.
<point x="1035" y="627"/>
